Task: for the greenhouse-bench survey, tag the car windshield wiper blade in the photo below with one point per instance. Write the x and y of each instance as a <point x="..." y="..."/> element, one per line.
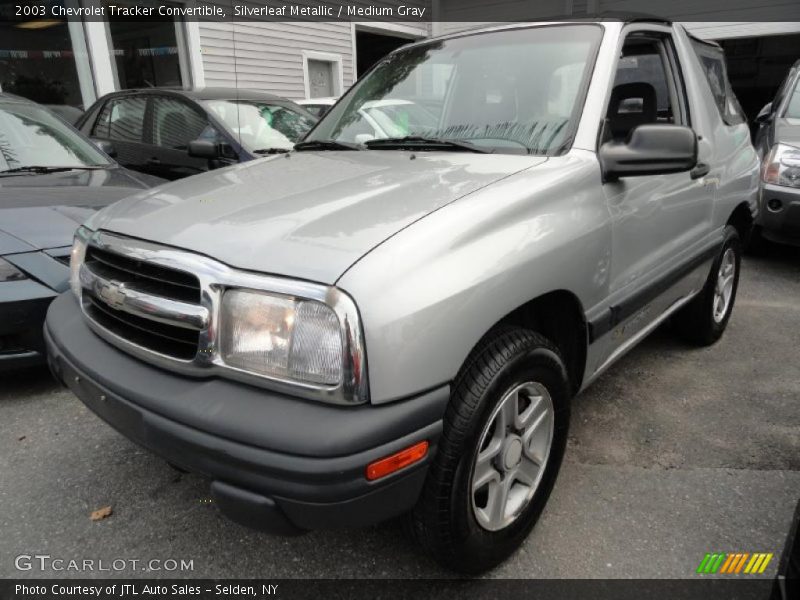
<point x="271" y="151"/>
<point x="416" y="141"/>
<point x="326" y="145"/>
<point x="42" y="169"/>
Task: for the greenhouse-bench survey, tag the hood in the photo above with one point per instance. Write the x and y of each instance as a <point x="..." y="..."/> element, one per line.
<point x="307" y="215"/>
<point x="93" y="189"/>
<point x="26" y="229"/>
<point x="787" y="131"/>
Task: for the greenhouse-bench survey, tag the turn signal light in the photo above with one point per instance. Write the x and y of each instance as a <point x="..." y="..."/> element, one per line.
<point x="395" y="462"/>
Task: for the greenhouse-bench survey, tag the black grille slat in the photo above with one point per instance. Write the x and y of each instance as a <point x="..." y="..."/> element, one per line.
<point x="133" y="270"/>
<point x="144" y="284"/>
<point x="133" y="330"/>
<point x="147" y="278"/>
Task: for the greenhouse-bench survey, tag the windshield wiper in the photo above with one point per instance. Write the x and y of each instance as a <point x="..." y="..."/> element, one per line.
<point x="416" y="141"/>
<point x="271" y="151"/>
<point x="325" y="145"/>
<point x="41" y="169"/>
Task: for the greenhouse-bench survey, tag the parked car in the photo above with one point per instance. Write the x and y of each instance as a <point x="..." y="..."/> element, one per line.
<point x="318" y="106"/>
<point x="71" y="114"/>
<point x="51" y="180"/>
<point x="350" y="332"/>
<point x="386" y="118"/>
<point x="173" y="133"/>
<point x="777" y="142"/>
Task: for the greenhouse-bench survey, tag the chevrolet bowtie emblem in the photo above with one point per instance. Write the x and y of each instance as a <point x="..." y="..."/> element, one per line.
<point x="112" y="293"/>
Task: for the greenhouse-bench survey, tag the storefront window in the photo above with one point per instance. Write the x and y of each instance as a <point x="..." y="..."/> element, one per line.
<point x="148" y="54"/>
<point x="39" y="61"/>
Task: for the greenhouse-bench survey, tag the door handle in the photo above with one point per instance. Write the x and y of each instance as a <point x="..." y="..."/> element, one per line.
<point x="699" y="171"/>
<point x="153" y="161"/>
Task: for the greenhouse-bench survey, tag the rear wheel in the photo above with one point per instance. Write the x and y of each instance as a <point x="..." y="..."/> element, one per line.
<point x="500" y="451"/>
<point x="703" y="320"/>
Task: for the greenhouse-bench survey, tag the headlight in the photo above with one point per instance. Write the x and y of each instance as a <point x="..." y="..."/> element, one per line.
<point x="9" y="272"/>
<point x="76" y="259"/>
<point x="782" y="166"/>
<point x="281" y="337"/>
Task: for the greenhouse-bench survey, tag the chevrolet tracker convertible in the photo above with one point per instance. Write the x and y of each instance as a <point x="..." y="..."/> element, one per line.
<point x="395" y="322"/>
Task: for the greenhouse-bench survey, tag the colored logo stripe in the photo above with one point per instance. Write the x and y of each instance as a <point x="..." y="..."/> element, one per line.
<point x="734" y="563"/>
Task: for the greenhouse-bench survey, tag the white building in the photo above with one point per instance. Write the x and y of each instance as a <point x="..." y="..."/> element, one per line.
<point x="55" y="61"/>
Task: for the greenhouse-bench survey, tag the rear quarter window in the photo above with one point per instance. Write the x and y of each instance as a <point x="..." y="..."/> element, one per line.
<point x="122" y="119"/>
<point x="712" y="59"/>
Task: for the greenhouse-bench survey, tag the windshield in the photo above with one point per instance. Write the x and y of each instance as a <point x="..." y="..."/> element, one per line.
<point x="31" y="136"/>
<point x="261" y="125"/>
<point x="793" y="107"/>
<point x="516" y="91"/>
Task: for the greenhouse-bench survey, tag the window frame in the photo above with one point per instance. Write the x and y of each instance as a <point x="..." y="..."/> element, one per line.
<point x="670" y="61"/>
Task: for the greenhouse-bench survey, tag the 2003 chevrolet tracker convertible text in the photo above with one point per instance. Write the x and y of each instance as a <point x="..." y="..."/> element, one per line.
<point x="395" y="321"/>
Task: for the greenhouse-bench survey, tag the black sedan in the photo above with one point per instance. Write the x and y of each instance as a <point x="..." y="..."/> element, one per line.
<point x="175" y="133"/>
<point x="51" y="180"/>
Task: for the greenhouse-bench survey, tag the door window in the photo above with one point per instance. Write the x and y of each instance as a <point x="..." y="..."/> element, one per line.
<point x="122" y="120"/>
<point x="645" y="90"/>
<point x="175" y="124"/>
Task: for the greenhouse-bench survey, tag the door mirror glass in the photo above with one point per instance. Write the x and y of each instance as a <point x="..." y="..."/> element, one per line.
<point x="764" y="113"/>
<point x="650" y="150"/>
<point x="204" y="149"/>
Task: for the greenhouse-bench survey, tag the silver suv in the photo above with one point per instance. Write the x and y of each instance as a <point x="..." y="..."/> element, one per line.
<point x="392" y="322"/>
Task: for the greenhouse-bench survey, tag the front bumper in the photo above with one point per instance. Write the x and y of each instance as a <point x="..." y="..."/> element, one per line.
<point x="783" y="225"/>
<point x="276" y="463"/>
<point x="23" y="306"/>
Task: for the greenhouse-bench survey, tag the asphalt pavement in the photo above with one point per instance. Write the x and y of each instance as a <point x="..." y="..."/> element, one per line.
<point x="673" y="453"/>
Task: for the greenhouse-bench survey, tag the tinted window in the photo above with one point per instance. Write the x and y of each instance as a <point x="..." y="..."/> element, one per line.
<point x="793" y="107"/>
<point x="32" y="136"/>
<point x="175" y="124"/>
<point x="121" y="119"/>
<point x="712" y="59"/>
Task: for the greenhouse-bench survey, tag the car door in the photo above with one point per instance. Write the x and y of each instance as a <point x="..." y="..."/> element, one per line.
<point x="659" y="222"/>
<point x="121" y="122"/>
<point x="173" y="123"/>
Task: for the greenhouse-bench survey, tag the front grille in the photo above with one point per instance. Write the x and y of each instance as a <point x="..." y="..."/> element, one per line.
<point x="156" y="280"/>
<point x="147" y="277"/>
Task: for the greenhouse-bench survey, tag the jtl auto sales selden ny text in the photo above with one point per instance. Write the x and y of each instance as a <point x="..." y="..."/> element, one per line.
<point x="130" y="589"/>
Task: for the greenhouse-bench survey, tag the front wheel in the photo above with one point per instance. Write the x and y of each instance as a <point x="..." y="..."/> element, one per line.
<point x="501" y="449"/>
<point x="703" y="320"/>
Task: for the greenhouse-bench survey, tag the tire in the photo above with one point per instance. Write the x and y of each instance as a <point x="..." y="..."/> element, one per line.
<point x="446" y="520"/>
<point x="699" y="322"/>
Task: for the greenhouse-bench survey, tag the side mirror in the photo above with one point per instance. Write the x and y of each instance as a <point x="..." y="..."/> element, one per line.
<point x="107" y="147"/>
<point x="650" y="150"/>
<point x="204" y="149"/>
<point x="765" y="113"/>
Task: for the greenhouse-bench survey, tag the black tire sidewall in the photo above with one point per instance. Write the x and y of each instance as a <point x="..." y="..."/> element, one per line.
<point x="480" y="547"/>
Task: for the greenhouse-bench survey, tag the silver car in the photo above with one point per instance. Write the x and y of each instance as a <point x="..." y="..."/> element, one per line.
<point x="777" y="142"/>
<point x="372" y="326"/>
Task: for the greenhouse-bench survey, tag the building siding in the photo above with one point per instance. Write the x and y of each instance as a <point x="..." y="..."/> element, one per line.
<point x="268" y="56"/>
